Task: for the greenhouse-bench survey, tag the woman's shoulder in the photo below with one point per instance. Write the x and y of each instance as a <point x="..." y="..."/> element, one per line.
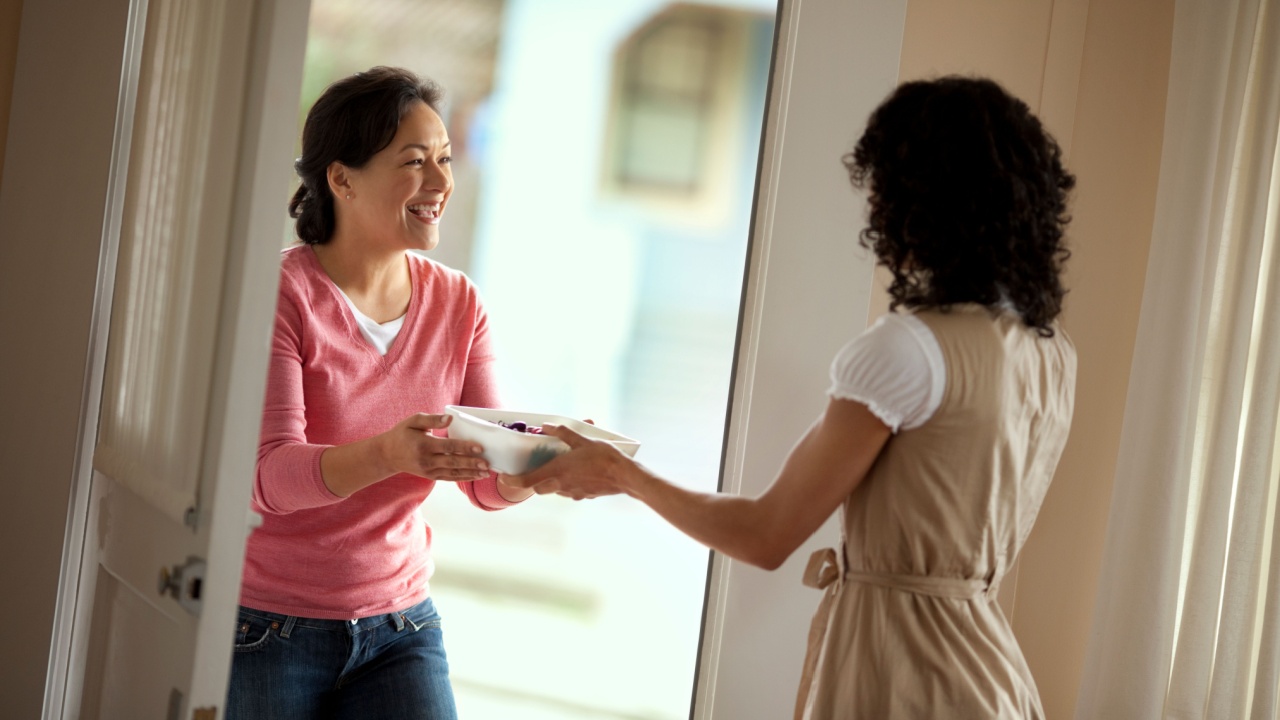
<point x="295" y="255"/>
<point x="439" y="277"/>
<point x="959" y="312"/>
<point x="996" y="334"/>
<point x="297" y="262"/>
<point x="894" y="342"/>
<point x="983" y="320"/>
<point x="305" y="290"/>
<point x="895" y="367"/>
<point x="968" y="319"/>
<point x="302" y="279"/>
<point x="898" y="329"/>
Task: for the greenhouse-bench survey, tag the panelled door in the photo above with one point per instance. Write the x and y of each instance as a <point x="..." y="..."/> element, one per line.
<point x="204" y="133"/>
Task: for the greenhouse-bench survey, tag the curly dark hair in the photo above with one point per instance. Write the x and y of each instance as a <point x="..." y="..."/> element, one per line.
<point x="353" y="120"/>
<point x="968" y="199"/>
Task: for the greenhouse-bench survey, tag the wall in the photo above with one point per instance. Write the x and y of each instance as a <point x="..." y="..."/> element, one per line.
<point x="1119" y="126"/>
<point x="1096" y="72"/>
<point x="10" y="18"/>
<point x="52" y="204"/>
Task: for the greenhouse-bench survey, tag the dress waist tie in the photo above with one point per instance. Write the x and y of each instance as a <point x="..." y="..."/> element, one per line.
<point x="827" y="571"/>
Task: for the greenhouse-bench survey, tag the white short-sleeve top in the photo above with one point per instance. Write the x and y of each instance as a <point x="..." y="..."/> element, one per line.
<point x="895" y="368"/>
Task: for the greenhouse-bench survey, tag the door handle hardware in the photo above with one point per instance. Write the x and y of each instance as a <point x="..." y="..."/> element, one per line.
<point x="184" y="583"/>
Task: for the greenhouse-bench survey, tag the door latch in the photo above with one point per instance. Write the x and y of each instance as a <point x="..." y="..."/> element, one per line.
<point x="184" y="583"/>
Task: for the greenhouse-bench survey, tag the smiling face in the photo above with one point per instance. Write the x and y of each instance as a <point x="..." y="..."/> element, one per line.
<point x="398" y="197"/>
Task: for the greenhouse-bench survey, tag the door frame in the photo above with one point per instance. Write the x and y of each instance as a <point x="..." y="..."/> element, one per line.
<point x="806" y="292"/>
<point x="816" y="108"/>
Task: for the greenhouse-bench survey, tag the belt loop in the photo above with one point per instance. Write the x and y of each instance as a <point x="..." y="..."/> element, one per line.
<point x="289" y="622"/>
<point x="398" y="619"/>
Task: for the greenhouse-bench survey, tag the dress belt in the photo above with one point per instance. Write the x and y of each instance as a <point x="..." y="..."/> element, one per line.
<point x="827" y="571"/>
<point x="957" y="588"/>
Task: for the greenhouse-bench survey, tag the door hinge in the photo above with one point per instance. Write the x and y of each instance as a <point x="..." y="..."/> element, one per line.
<point x="175" y="708"/>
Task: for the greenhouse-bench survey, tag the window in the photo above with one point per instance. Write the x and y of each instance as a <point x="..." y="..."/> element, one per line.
<point x="665" y="113"/>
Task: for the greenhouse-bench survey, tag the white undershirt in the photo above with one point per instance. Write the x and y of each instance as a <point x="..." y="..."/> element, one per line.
<point x="379" y="335"/>
<point x="895" y="368"/>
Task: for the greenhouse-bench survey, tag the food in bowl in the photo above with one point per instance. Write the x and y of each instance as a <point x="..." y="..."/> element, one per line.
<point x="520" y="426"/>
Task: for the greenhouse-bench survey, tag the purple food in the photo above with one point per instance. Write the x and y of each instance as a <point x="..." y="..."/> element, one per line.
<point x="520" y="426"/>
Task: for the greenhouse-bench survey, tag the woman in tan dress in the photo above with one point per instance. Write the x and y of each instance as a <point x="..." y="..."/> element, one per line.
<point x="944" y="425"/>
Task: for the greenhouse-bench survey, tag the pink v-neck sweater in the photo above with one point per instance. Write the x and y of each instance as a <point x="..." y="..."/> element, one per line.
<point x="319" y="555"/>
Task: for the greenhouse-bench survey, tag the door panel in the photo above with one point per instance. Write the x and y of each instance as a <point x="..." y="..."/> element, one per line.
<point x="200" y="157"/>
<point x="120" y="687"/>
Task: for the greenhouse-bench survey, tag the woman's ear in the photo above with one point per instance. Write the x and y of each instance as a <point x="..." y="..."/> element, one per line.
<point x="339" y="177"/>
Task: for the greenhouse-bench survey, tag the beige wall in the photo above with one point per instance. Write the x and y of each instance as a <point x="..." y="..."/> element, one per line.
<point x="10" y="19"/>
<point x="1119" y="124"/>
<point x="1096" y="72"/>
<point x="65" y="85"/>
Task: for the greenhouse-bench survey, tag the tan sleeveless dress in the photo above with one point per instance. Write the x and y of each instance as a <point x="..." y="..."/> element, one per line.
<point x="909" y="626"/>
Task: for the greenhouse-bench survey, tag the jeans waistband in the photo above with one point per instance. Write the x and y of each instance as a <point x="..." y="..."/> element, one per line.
<point x="414" y="616"/>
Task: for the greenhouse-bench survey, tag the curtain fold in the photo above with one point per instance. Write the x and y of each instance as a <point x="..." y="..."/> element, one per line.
<point x="1188" y="610"/>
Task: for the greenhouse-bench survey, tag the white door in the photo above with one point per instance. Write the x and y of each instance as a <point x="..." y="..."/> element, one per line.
<point x="204" y="133"/>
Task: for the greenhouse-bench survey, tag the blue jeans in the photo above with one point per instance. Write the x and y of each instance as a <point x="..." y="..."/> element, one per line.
<point x="386" y="667"/>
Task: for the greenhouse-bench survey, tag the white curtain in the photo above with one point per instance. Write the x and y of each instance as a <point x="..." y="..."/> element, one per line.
<point x="1187" y="621"/>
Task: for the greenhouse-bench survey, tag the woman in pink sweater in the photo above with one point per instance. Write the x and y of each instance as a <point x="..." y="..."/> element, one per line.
<point x="371" y="342"/>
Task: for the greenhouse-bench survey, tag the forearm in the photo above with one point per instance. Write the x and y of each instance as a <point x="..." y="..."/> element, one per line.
<point x="349" y="468"/>
<point x="736" y="526"/>
<point x="819" y="474"/>
<point x="823" y="468"/>
<point x="288" y="478"/>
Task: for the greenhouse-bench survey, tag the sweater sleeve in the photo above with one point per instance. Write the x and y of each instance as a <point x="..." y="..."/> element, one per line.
<point x="480" y="389"/>
<point x="288" y="474"/>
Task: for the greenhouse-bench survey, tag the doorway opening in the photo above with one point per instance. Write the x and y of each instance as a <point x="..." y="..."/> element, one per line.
<point x="604" y="157"/>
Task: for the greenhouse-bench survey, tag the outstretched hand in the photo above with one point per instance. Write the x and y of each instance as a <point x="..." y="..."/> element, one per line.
<point x="411" y="447"/>
<point x="591" y="468"/>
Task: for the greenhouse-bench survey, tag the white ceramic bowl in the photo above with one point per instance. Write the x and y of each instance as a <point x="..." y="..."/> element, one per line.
<point x="514" y="452"/>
